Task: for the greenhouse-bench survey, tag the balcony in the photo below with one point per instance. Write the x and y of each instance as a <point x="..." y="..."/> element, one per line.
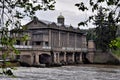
<point x="46" y="47"/>
<point x="75" y="49"/>
<point x="41" y="47"/>
<point x="20" y="46"/>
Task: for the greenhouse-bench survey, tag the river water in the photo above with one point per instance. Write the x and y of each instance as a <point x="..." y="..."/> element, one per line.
<point x="81" y="72"/>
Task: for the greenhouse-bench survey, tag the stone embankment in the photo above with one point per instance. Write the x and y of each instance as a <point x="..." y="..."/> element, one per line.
<point x="99" y="57"/>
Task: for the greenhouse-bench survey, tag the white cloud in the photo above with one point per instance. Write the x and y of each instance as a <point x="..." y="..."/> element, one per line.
<point x="68" y="9"/>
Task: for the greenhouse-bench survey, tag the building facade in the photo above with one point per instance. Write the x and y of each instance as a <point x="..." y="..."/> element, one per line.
<point x="51" y="43"/>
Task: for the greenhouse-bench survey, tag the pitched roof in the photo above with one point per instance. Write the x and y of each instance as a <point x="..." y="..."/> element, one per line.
<point x="60" y="26"/>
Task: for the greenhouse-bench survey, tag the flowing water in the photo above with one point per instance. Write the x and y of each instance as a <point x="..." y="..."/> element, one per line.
<point x="81" y="72"/>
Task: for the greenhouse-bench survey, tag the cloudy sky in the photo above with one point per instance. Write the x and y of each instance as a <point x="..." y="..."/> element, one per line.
<point x="68" y="9"/>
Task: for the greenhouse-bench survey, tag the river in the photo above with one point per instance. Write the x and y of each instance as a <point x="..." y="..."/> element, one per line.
<point x="81" y="72"/>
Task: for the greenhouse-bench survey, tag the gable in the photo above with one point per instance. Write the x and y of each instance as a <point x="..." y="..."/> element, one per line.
<point x="35" y="24"/>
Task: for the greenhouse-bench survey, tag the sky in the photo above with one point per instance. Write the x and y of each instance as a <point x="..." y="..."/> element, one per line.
<point x="68" y="9"/>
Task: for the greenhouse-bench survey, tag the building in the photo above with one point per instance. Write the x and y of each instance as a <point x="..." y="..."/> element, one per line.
<point x="51" y="42"/>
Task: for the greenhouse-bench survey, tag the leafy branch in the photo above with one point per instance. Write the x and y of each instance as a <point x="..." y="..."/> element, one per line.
<point x="11" y="14"/>
<point x="95" y="5"/>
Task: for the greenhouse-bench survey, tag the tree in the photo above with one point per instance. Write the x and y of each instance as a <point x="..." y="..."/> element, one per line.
<point x="106" y="29"/>
<point x="115" y="43"/>
<point x="11" y="14"/>
<point x="107" y="24"/>
<point x="94" y="5"/>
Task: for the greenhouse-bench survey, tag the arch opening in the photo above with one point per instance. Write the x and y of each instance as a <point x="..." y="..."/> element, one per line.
<point x="69" y="58"/>
<point x="84" y="58"/>
<point x="62" y="58"/>
<point x="77" y="58"/>
<point x="45" y="59"/>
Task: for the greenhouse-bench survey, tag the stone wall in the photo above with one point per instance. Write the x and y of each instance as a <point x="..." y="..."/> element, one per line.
<point x="105" y="57"/>
<point x="26" y="59"/>
<point x="99" y="57"/>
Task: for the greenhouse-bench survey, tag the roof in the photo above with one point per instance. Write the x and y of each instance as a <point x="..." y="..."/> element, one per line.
<point x="57" y="25"/>
<point x="60" y="16"/>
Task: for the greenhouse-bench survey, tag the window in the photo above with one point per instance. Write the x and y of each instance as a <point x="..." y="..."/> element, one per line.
<point x="38" y="43"/>
<point x="17" y="42"/>
<point x="17" y="57"/>
<point x="26" y="42"/>
<point x="46" y="43"/>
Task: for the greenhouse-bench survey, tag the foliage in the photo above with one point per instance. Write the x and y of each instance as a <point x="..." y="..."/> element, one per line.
<point x="90" y="33"/>
<point x="106" y="21"/>
<point x="11" y="14"/>
<point x="116" y="52"/>
<point x="109" y="6"/>
<point x="106" y="29"/>
<point x="115" y="43"/>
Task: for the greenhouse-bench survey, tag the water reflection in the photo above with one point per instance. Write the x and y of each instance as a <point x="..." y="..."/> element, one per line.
<point x="66" y="73"/>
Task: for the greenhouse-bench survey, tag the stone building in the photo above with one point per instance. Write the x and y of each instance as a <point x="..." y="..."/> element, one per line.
<point x="51" y="42"/>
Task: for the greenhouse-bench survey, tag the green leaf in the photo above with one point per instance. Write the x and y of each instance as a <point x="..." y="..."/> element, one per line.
<point x="81" y="24"/>
<point x="111" y="2"/>
<point x="81" y="6"/>
<point x="91" y="2"/>
<point x="4" y="56"/>
<point x="100" y="1"/>
<point x="25" y="38"/>
<point x="8" y="63"/>
<point x="95" y="7"/>
<point x="77" y="5"/>
<point x="16" y="51"/>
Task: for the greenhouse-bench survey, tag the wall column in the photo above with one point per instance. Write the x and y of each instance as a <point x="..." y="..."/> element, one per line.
<point x="81" y="57"/>
<point x="58" y="56"/>
<point x="37" y="59"/>
<point x="67" y="39"/>
<point x="23" y="43"/>
<point x="49" y="38"/>
<point x="64" y="56"/>
<point x="75" y="41"/>
<point x="33" y="58"/>
<point x="73" y="57"/>
<point x="55" y="57"/>
<point x="59" y="39"/>
<point x="28" y="43"/>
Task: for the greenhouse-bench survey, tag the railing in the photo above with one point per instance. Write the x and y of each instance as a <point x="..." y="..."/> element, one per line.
<point x="20" y="46"/>
<point x="67" y="48"/>
<point x="46" y="47"/>
<point x="84" y="49"/>
<point x="77" y="49"/>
